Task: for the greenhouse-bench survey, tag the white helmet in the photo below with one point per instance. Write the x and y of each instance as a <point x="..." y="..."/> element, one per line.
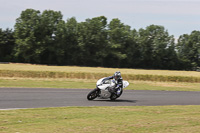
<point x="117" y="75"/>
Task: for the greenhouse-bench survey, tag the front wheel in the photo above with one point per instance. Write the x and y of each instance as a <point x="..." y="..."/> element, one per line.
<point x="93" y="94"/>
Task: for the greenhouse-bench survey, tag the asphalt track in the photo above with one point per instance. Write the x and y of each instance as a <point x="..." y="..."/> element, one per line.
<point x="15" y="98"/>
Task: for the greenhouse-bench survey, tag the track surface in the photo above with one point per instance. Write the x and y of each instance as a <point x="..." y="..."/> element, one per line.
<point x="43" y="97"/>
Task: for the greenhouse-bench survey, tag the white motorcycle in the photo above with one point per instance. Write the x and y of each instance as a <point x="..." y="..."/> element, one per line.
<point x="104" y="89"/>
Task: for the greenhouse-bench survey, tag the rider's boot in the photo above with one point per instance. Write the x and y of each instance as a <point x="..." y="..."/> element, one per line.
<point x="118" y="91"/>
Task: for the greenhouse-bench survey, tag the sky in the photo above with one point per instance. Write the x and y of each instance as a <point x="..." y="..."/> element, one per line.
<point x="177" y="16"/>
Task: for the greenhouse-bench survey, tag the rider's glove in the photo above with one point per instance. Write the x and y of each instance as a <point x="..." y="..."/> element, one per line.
<point x="117" y="86"/>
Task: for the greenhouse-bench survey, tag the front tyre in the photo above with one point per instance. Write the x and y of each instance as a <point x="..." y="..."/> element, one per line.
<point x="93" y="94"/>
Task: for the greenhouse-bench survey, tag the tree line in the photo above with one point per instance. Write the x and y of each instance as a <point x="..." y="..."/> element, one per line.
<point x="45" y="38"/>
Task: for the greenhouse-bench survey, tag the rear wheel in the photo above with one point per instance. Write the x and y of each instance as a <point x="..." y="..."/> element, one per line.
<point x="93" y="94"/>
<point x="114" y="96"/>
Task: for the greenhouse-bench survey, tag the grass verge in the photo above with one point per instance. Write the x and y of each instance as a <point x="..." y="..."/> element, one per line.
<point x="161" y="119"/>
<point x="90" y="84"/>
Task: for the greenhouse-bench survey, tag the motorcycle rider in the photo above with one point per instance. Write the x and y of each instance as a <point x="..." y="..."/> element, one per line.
<point x="119" y="82"/>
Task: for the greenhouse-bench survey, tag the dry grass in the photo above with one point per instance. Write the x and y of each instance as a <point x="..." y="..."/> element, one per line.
<point x="43" y="71"/>
<point x="30" y="67"/>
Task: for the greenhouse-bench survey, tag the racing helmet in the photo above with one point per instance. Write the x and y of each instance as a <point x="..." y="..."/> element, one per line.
<point x="117" y="75"/>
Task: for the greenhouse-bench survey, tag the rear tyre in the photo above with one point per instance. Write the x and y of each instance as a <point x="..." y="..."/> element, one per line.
<point x="93" y="94"/>
<point x="113" y="97"/>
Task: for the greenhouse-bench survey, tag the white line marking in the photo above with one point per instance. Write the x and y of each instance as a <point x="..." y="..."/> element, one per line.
<point x="13" y="108"/>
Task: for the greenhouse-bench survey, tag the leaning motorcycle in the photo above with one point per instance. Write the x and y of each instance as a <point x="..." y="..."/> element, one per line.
<point x="104" y="89"/>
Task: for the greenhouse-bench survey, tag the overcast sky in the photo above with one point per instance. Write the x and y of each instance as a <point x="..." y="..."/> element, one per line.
<point x="177" y="16"/>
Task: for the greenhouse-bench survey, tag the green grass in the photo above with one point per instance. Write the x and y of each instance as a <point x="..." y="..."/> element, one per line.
<point x="45" y="83"/>
<point x="136" y="119"/>
<point x="90" y="84"/>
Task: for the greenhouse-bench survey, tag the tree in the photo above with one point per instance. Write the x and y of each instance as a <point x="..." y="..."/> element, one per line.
<point x="34" y="33"/>
<point x="132" y="50"/>
<point x="189" y="50"/>
<point x="26" y="32"/>
<point x="155" y="45"/>
<point x="118" y="36"/>
<point x="7" y="43"/>
<point x="45" y="38"/>
<point x="66" y="41"/>
<point x="49" y="26"/>
<point x="92" y="41"/>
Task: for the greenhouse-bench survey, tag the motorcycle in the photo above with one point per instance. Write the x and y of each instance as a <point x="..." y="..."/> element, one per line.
<point x="104" y="89"/>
